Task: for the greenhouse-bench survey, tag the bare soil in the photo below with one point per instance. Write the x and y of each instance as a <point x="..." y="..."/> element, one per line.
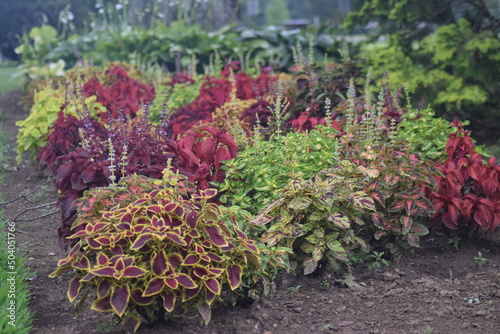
<point x="436" y="289"/>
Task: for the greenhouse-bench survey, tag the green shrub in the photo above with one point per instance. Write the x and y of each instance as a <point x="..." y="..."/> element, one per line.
<point x="15" y="315"/>
<point x="314" y="218"/>
<point x="425" y="134"/>
<point x="255" y="176"/>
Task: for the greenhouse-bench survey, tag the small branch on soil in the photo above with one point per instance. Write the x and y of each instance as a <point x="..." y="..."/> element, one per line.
<point x="25" y="196"/>
<point x="31" y="209"/>
<point x="39" y="217"/>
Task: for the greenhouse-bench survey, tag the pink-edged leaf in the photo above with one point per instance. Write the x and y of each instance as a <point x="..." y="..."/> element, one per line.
<point x="406" y="223"/>
<point x="378" y="220"/>
<point x="234" y="273"/>
<point x="168" y="300"/>
<point x="215" y="236"/>
<point x="133" y="271"/>
<point x="186" y="281"/>
<point x="153" y="287"/>
<point x="120" y="296"/>
<point x="413" y="239"/>
<point x="74" y="288"/>
<point x="141" y="241"/>
<point x="139" y="299"/>
<point x="419" y="229"/>
<point x="159" y="264"/>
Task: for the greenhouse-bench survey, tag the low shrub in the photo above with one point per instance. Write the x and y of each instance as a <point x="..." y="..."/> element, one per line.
<point x="467" y="198"/>
<point x="149" y="247"/>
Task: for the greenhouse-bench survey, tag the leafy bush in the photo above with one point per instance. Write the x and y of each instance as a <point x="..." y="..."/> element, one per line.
<point x="215" y="92"/>
<point x="35" y="129"/>
<point x="467" y="198"/>
<point x="121" y="95"/>
<point x="149" y="247"/>
<point x="314" y="218"/>
<point x="425" y="134"/>
<point x="262" y="169"/>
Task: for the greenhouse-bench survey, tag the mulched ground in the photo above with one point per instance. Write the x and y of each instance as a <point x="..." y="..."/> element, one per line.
<point x="433" y="290"/>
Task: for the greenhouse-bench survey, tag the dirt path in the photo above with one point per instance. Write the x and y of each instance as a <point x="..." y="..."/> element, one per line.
<point x="435" y="290"/>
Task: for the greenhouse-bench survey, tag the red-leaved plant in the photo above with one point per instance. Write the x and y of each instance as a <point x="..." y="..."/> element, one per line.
<point x="468" y="194"/>
<point x="215" y="92"/>
<point x="122" y="96"/>
<point x="149" y="247"/>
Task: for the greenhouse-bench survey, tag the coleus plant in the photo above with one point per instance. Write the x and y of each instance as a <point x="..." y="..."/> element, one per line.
<point x="121" y="95"/>
<point x="215" y="92"/>
<point x="317" y="218"/>
<point x="99" y="156"/>
<point x="394" y="177"/>
<point x="147" y="247"/>
<point x="467" y="198"/>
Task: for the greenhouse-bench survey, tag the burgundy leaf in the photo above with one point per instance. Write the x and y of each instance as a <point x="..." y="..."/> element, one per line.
<point x="168" y="300"/>
<point x="215" y="236"/>
<point x="234" y="273"/>
<point x="153" y="287"/>
<point x="74" y="288"/>
<point x="120" y="296"/>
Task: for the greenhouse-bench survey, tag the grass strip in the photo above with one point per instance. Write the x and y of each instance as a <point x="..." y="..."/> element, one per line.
<point x="15" y="315"/>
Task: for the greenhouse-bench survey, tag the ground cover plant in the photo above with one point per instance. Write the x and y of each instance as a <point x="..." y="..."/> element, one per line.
<point x="16" y="316"/>
<point x="348" y="186"/>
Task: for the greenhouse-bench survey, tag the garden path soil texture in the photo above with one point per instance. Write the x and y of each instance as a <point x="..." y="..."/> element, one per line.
<point x="435" y="289"/>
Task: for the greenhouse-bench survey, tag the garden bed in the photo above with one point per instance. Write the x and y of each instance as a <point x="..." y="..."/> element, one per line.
<point x="435" y="289"/>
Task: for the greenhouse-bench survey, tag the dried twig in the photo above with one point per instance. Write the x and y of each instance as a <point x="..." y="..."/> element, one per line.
<point x="31" y="209"/>
<point x="25" y="196"/>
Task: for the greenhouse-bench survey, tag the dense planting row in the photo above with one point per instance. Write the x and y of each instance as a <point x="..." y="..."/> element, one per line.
<point x="174" y="195"/>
